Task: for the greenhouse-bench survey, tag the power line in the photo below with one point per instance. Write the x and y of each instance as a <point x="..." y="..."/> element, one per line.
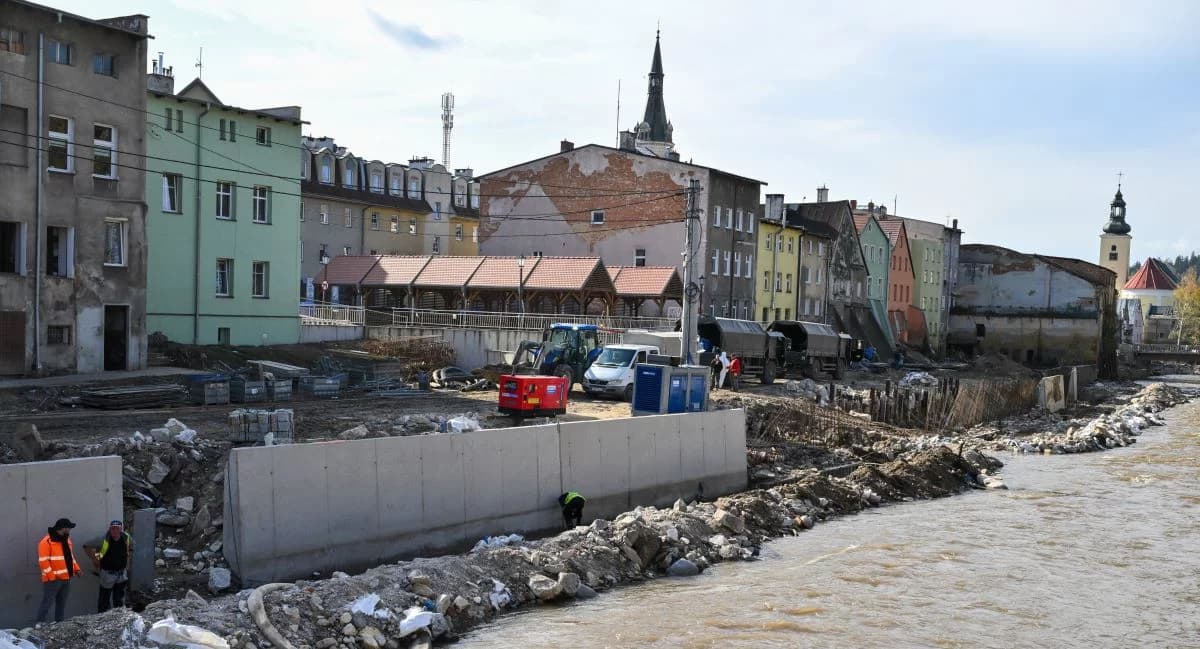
<point x="298" y="180"/>
<point x="511" y="217"/>
<point x="211" y="128"/>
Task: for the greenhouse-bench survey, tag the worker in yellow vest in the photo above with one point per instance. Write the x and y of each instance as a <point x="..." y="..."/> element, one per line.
<point x="572" y="508"/>
<point x="56" y="558"/>
<point x="111" y="555"/>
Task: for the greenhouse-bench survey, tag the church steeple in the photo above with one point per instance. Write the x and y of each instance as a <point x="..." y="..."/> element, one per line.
<point x="654" y="126"/>
<point x="1116" y="215"/>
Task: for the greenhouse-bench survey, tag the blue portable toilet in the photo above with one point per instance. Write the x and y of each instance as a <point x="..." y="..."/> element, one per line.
<point x="666" y="389"/>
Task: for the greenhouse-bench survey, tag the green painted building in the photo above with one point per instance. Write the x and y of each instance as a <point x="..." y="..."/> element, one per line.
<point x="222" y="231"/>
<point x="877" y="251"/>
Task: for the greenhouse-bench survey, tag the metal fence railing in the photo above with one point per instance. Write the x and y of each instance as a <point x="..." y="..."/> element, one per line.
<point x="1166" y="349"/>
<point x="331" y="314"/>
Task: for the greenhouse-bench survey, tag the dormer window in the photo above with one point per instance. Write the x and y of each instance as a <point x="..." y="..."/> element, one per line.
<point x="326" y="170"/>
<point x="377" y="182"/>
<point x="304" y="160"/>
<point x="397" y="185"/>
<point x="414" y="187"/>
<point x="348" y="176"/>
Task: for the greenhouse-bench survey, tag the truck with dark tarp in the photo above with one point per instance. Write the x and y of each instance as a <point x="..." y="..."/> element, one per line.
<point x="813" y="347"/>
<point x="762" y="352"/>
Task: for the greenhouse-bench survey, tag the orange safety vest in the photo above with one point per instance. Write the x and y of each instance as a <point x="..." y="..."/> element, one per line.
<point x="52" y="562"/>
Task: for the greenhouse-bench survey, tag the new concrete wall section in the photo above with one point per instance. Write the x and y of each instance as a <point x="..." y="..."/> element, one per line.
<point x="87" y="491"/>
<point x="349" y="505"/>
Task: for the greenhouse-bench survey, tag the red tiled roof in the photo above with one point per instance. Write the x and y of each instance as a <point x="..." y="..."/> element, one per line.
<point x="499" y="272"/>
<point x="1151" y="276"/>
<point x="646" y="281"/>
<point x="448" y="271"/>
<point x="860" y="222"/>
<point x="563" y="273"/>
<point x="394" y="270"/>
<point x="346" y="270"/>
<point x="891" y="227"/>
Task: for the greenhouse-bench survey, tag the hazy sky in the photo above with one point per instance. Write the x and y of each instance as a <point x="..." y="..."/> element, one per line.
<point x="1013" y="117"/>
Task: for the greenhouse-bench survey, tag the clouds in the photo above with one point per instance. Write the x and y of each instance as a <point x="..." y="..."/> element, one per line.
<point x="409" y="36"/>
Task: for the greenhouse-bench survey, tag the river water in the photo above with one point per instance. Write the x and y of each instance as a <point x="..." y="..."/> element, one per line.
<point x="1095" y="550"/>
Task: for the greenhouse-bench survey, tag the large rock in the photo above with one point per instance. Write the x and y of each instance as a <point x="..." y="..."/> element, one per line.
<point x="735" y="524"/>
<point x="683" y="568"/>
<point x="358" y="432"/>
<point x="158" y="471"/>
<point x="219" y="579"/>
<point x="26" y="441"/>
<point x="201" y="521"/>
<point x="174" y="518"/>
<point x="585" y="592"/>
<point x="568" y="583"/>
<point x="544" y="588"/>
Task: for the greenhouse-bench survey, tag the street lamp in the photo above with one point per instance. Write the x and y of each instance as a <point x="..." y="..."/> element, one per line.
<point x="521" y="281"/>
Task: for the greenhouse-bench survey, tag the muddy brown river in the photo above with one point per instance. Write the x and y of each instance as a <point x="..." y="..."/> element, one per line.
<point x="1095" y="550"/>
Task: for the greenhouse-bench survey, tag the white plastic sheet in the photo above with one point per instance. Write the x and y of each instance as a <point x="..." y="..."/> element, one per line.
<point x="414" y="620"/>
<point x="497" y="542"/>
<point x="10" y="641"/>
<point x="171" y="633"/>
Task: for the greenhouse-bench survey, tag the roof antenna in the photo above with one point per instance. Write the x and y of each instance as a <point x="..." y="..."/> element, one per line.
<point x="200" y="64"/>
<point x="618" y="113"/>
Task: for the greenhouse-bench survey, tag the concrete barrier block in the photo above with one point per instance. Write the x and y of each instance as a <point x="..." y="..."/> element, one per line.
<point x="713" y="439"/>
<point x="14" y="537"/>
<point x="648" y="463"/>
<point x="520" y="473"/>
<point x="353" y="490"/>
<point x="443" y="497"/>
<point x="735" y="440"/>
<point x="549" y="465"/>
<point x="401" y="486"/>
<point x="250" y="534"/>
<point x="300" y="499"/>
<point x="691" y="446"/>
<point x="483" y="464"/>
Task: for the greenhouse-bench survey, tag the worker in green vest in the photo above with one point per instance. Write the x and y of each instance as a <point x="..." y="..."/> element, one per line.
<point x="572" y="508"/>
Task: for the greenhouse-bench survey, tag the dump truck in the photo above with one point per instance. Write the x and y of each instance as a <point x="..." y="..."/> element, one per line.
<point x="763" y="353"/>
<point x="814" y="347"/>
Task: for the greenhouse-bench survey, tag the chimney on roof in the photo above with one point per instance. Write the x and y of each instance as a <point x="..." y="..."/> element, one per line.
<point x="870" y="207"/>
<point x="822" y="194"/>
<point x="774" y="210"/>
<point x="161" y="78"/>
<point x="565" y="145"/>
<point x="883" y="210"/>
<point x="853" y="203"/>
<point x="955" y="224"/>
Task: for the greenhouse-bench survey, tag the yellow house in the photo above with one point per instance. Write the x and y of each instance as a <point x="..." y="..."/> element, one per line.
<point x="778" y="262"/>
<point x="464" y="235"/>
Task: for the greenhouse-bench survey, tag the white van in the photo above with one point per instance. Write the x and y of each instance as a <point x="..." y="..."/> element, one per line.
<point x="612" y="373"/>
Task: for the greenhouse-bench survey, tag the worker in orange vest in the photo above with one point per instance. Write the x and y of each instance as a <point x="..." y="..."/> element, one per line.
<point x="56" y="558"/>
<point x="735" y="372"/>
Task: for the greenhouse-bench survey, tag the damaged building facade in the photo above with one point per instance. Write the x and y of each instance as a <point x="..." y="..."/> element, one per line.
<point x="72" y="218"/>
<point x="1035" y="309"/>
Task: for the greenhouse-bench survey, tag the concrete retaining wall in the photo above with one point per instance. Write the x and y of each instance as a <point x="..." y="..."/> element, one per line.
<point x="349" y="505"/>
<point x="330" y="333"/>
<point x="1052" y="393"/>
<point x="32" y="497"/>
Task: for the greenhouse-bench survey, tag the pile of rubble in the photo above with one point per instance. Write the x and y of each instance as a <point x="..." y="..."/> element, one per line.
<point x="1118" y="428"/>
<point x="415" y="601"/>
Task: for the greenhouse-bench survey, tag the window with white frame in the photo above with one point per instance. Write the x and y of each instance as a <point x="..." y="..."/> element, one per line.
<point x="728" y="258"/>
<point x="458" y="232"/>
<point x="412" y="225"/>
<point x="261" y="279"/>
<point x="324" y="214"/>
<point x="820" y="274"/>
<point x="345" y="251"/>
<point x="750" y="222"/>
<point x="749" y="265"/>
<point x="104" y="151"/>
<point x="172" y="186"/>
<point x="232" y="131"/>
<point x="715" y="269"/>
<point x="816" y="307"/>
<point x="262" y="136"/>
<point x="716" y="216"/>
<point x="597" y="217"/>
<point x="437" y="210"/>
<point x="790" y="242"/>
<point x="778" y="281"/>
<point x="116" y="238"/>
<point x="729" y="218"/>
<point x="12" y="40"/>
<point x="787" y="287"/>
<point x="639" y="256"/>
<point x="395" y="226"/>
<point x="810" y="246"/>
<point x="60" y="251"/>
<point x="223" y="130"/>
<point x="262" y="204"/>
<point x="374" y="220"/>
<point x="323" y="254"/>
<point x="61" y="148"/>
<point x="224" y="281"/>
<point x="437" y="245"/>
<point x="769" y="238"/>
<point x="474" y="235"/>
<point x="779" y="243"/>
<point x="820" y="249"/>
<point x="348" y="218"/>
<point x="59" y="52"/>
<point x="738" y="226"/>
<point x="737" y="264"/>
<point x="225" y="192"/>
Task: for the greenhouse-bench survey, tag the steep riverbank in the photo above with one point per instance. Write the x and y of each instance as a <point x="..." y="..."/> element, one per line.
<point x="466" y="590"/>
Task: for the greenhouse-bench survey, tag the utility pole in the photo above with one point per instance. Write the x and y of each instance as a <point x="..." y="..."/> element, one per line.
<point x="691" y="292"/>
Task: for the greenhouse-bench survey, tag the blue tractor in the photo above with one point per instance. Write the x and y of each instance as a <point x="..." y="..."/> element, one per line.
<point x="567" y="350"/>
